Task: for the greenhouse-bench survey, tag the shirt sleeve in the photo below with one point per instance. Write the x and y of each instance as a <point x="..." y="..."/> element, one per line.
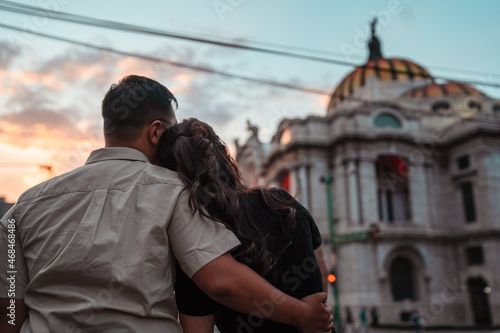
<point x="13" y="270"/>
<point x="195" y="240"/>
<point x="191" y="300"/>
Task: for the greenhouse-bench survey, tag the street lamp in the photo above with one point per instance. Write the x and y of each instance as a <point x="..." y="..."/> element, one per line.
<point x="328" y="180"/>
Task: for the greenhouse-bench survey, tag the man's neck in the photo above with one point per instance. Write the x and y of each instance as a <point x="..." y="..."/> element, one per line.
<point x="108" y="143"/>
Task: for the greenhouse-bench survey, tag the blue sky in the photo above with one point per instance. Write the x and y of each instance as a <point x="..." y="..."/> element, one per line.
<point x="50" y="92"/>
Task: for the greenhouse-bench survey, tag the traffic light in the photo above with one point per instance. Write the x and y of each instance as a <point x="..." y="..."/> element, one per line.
<point x="374" y="231"/>
<point x="331" y="277"/>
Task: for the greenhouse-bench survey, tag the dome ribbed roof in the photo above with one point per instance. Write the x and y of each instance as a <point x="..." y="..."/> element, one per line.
<point x="386" y="69"/>
<point x="444" y="89"/>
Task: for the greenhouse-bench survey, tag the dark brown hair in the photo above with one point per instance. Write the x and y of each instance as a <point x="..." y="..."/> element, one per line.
<point x="133" y="103"/>
<point x="216" y="190"/>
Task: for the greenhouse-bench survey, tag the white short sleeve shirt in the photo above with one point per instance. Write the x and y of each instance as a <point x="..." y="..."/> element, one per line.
<point x="97" y="248"/>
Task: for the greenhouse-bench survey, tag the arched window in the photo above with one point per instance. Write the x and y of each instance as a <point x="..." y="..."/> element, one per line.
<point x="284" y="180"/>
<point x="393" y="195"/>
<point x="478" y="293"/>
<point x="402" y="284"/>
<point x="473" y="105"/>
<point x="387" y="120"/>
<point x="440" y="106"/>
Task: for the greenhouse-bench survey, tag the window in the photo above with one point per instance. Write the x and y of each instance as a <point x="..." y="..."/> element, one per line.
<point x="402" y="279"/>
<point x="474" y="255"/>
<point x="473" y="105"/>
<point x="393" y="197"/>
<point x="463" y="162"/>
<point x="390" y="210"/>
<point x="496" y="108"/>
<point x="440" y="106"/>
<point x="286" y="137"/>
<point x="479" y="300"/>
<point x="468" y="202"/>
<point x="387" y="120"/>
<point x="284" y="181"/>
<point x="380" y="206"/>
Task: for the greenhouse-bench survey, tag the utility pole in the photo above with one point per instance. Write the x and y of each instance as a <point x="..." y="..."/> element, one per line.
<point x="328" y="180"/>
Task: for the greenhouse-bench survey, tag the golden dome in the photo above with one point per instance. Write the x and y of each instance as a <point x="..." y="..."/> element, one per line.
<point x="444" y="89"/>
<point x="386" y="69"/>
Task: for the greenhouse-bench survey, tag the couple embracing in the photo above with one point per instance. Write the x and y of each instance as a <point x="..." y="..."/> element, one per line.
<point x="158" y="228"/>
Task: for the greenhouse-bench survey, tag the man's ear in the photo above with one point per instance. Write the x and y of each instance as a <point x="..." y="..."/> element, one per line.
<point x="154" y="132"/>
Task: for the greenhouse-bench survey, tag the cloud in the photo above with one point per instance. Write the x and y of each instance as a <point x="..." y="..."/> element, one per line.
<point x="39" y="121"/>
<point x="8" y="54"/>
<point x="55" y="95"/>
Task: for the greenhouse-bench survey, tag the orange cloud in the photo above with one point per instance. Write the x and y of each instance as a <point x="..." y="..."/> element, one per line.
<point x="24" y="164"/>
<point x="323" y="101"/>
<point x="129" y="65"/>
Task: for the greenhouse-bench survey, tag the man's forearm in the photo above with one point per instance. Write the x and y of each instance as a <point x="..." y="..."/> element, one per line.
<point x="240" y="288"/>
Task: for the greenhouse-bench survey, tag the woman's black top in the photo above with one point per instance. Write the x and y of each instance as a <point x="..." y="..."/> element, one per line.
<point x="296" y="273"/>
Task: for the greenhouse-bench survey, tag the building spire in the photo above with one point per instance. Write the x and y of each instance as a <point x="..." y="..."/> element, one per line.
<point x="374" y="44"/>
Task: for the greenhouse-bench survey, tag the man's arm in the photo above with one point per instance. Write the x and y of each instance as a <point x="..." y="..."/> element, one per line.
<point x="21" y="314"/>
<point x="237" y="286"/>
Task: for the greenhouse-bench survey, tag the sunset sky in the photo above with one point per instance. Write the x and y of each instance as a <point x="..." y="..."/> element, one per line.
<point x="50" y="91"/>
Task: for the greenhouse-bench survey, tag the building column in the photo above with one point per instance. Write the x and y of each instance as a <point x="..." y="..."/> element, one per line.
<point x="418" y="195"/>
<point x="302" y="183"/>
<point x="294" y="182"/>
<point x="368" y="193"/>
<point x="318" y="200"/>
<point x="351" y="176"/>
<point x="339" y="192"/>
<point x="431" y="183"/>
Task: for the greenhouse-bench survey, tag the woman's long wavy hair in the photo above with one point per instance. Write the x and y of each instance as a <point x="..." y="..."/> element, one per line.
<point x="217" y="191"/>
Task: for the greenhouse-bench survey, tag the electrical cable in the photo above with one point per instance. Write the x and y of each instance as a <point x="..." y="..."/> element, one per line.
<point x="27" y="9"/>
<point x="178" y="64"/>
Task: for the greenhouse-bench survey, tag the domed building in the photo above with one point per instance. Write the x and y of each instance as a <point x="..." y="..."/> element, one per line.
<point x="413" y="170"/>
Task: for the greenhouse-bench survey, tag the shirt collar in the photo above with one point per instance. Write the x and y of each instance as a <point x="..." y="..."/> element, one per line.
<point x="116" y="153"/>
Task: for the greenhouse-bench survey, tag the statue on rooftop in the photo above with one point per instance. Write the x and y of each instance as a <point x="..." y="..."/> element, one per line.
<point x="374" y="44"/>
<point x="253" y="129"/>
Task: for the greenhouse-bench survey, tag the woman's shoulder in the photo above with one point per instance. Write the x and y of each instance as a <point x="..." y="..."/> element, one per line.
<point x="277" y="192"/>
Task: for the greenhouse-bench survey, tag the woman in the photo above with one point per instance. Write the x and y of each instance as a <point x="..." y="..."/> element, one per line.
<point x="279" y="238"/>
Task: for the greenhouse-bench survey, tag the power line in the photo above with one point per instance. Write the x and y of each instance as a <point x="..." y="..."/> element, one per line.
<point x="465" y="71"/>
<point x="80" y="19"/>
<point x="210" y="70"/>
<point x="275" y="45"/>
<point x="178" y="64"/>
<point x="325" y="52"/>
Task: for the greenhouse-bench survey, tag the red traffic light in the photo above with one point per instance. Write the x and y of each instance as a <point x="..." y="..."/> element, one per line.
<point x="331" y="278"/>
<point x="374" y="231"/>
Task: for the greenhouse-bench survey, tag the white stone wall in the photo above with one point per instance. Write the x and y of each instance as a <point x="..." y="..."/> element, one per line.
<point x="436" y="236"/>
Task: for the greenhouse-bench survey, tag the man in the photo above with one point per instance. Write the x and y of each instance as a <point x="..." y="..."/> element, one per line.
<point x="95" y="250"/>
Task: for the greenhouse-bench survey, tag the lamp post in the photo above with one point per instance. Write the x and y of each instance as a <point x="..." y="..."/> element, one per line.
<point x="328" y="180"/>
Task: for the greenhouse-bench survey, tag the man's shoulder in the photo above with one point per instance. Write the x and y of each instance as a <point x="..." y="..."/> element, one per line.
<point x="105" y="176"/>
<point x="157" y="174"/>
<point x="38" y="189"/>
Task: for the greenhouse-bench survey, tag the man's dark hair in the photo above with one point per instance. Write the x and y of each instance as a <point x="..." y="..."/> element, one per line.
<point x="133" y="103"/>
